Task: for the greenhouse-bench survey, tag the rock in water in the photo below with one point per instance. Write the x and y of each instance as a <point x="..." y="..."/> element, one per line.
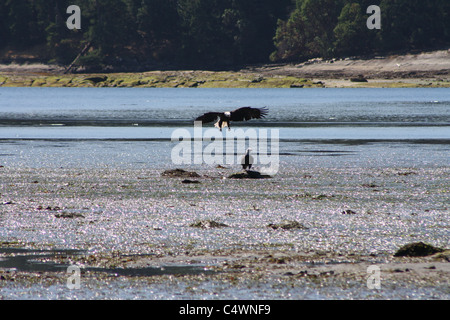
<point x="248" y="175"/>
<point x="207" y="224"/>
<point x="348" y="211"/>
<point x="187" y="181"/>
<point x="418" y="249"/>
<point x="180" y="173"/>
<point x="287" y="225"/>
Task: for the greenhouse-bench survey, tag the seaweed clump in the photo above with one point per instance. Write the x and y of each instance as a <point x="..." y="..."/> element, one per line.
<point x="248" y="175"/>
<point x="207" y="224"/>
<point x="287" y="225"/>
<point x="180" y="173"/>
<point x="418" y="249"/>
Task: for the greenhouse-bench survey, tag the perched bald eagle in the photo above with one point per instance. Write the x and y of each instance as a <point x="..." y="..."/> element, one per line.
<point x="247" y="160"/>
<point x="224" y="118"/>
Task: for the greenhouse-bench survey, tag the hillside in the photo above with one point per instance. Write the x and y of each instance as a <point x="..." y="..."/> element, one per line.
<point x="427" y="68"/>
<point x="410" y="70"/>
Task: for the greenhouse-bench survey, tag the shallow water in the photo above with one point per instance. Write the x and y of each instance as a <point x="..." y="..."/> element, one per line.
<point x="97" y="156"/>
<point x="30" y="260"/>
<point x="63" y="127"/>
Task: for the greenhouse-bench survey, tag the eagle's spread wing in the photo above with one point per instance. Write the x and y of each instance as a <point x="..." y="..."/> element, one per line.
<point x="247" y="113"/>
<point x="208" y="117"/>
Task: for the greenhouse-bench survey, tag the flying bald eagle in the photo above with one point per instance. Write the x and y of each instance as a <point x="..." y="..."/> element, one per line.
<point x="224" y="118"/>
<point x="247" y="160"/>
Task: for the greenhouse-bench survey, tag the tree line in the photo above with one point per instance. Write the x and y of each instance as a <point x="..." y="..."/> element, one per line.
<point x="333" y="28"/>
<point x="217" y="33"/>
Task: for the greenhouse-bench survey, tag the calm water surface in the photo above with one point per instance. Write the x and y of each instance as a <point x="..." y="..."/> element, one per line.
<point x="90" y="127"/>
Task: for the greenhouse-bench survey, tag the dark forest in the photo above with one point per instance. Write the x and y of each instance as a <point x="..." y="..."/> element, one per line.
<point x="148" y="34"/>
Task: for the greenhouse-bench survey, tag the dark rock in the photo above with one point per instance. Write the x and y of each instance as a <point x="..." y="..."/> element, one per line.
<point x="248" y="175"/>
<point x="187" y="181"/>
<point x="406" y="173"/>
<point x="418" y="249"/>
<point x="97" y="79"/>
<point x="257" y="79"/>
<point x="180" y="173"/>
<point x="277" y="260"/>
<point x="70" y="215"/>
<point x="287" y="225"/>
<point x="370" y="185"/>
<point x="348" y="211"/>
<point x="360" y="78"/>
<point x="207" y="224"/>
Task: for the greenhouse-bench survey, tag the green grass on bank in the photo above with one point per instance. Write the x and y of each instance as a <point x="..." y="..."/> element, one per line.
<point x="192" y="79"/>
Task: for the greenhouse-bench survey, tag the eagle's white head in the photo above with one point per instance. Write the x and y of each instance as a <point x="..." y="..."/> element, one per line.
<point x="227" y="114"/>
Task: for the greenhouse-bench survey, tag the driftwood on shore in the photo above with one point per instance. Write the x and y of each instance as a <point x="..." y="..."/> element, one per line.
<point x="85" y="49"/>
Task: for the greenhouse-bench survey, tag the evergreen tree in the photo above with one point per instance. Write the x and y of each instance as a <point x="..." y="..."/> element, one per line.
<point x="351" y="33"/>
<point x="158" y="28"/>
<point x="252" y="24"/>
<point x="4" y="30"/>
<point x="204" y="40"/>
<point x="309" y="30"/>
<point x="412" y="24"/>
<point x="20" y="21"/>
<point x="290" y="39"/>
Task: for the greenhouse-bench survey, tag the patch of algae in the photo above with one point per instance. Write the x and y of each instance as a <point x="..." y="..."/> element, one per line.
<point x="159" y="79"/>
<point x="193" y="79"/>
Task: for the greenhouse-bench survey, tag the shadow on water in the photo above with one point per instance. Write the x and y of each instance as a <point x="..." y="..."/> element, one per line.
<point x="29" y="260"/>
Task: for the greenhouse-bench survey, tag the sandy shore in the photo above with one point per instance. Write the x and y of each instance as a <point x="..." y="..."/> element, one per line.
<point x="429" y="69"/>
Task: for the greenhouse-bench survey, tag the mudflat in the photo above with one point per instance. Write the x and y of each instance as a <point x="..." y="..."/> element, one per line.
<point x="303" y="234"/>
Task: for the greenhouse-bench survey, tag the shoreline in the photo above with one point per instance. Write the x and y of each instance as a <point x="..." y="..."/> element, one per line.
<point x="430" y="69"/>
<point x="209" y="79"/>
